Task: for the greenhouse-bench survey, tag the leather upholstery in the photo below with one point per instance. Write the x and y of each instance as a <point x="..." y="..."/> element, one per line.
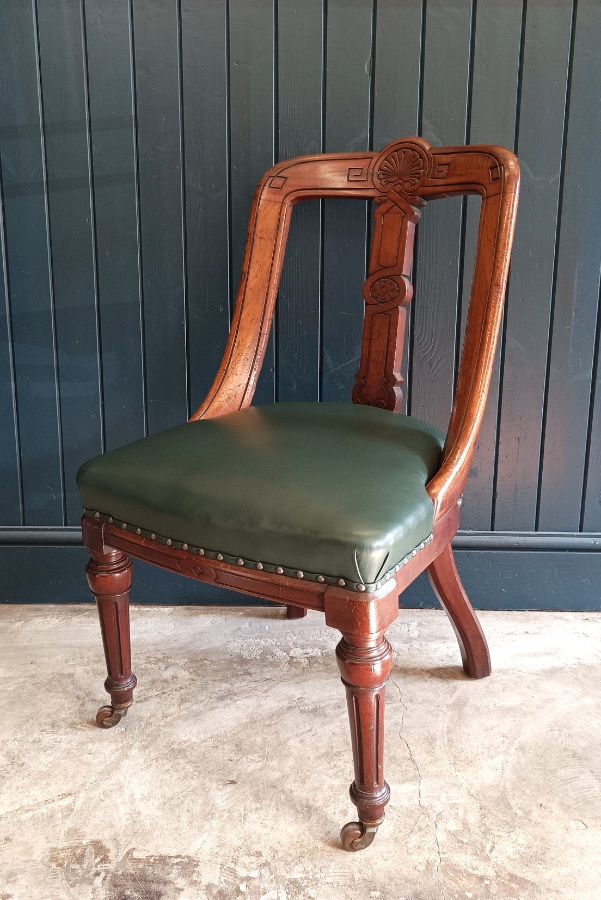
<point x="336" y="490"/>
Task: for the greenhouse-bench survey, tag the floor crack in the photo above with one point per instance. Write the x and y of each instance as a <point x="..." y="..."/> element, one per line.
<point x="428" y="815"/>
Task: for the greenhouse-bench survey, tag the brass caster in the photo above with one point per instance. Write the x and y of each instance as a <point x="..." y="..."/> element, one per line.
<point x="108" y="716"/>
<point x="358" y="835"/>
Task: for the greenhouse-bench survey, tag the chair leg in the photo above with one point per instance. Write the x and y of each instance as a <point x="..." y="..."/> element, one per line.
<point x="109" y="576"/>
<point x="447" y="586"/>
<point x="295" y="612"/>
<point x="364" y="664"/>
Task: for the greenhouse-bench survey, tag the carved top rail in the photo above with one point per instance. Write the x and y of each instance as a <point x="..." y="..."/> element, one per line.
<point x="401" y="179"/>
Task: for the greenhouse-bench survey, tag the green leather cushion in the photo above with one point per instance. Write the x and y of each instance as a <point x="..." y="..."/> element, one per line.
<point x="329" y="489"/>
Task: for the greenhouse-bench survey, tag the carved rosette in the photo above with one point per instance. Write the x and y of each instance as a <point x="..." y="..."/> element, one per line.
<point x="402" y="170"/>
<point x="384" y="290"/>
<point x="387" y="291"/>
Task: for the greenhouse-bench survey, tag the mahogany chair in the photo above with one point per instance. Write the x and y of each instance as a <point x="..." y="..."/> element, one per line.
<point x="266" y="500"/>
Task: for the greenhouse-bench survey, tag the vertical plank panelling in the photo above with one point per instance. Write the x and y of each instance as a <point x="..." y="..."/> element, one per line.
<point x="114" y="180"/>
<point x="539" y="147"/>
<point x="205" y="108"/>
<point x="576" y="288"/>
<point x="492" y="115"/>
<point x="71" y="216"/>
<point x="156" y="48"/>
<point x="132" y="136"/>
<point x="252" y="61"/>
<point x="29" y="268"/>
<point x="11" y="511"/>
<point x="591" y="505"/>
<point x="300" y="82"/>
<point x="444" y="117"/>
<point x="347" y="116"/>
<point x="396" y="70"/>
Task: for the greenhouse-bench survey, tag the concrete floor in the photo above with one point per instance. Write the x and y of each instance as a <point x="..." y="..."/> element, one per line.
<point x="229" y="777"/>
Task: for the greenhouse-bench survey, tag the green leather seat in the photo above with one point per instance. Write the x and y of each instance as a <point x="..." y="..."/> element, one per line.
<point x="335" y="491"/>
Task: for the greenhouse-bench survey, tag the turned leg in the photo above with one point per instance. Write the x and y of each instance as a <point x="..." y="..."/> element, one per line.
<point x="295" y="612"/>
<point x="447" y="586"/>
<point x="109" y="577"/>
<point x="364" y="664"/>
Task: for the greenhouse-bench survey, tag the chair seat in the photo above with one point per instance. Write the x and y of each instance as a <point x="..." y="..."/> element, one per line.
<point x="335" y="491"/>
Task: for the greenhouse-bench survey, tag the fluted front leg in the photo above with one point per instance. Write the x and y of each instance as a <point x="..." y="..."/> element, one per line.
<point x="109" y="576"/>
<point x="364" y="664"/>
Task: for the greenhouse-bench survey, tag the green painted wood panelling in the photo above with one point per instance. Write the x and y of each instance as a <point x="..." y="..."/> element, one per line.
<point x="132" y="135"/>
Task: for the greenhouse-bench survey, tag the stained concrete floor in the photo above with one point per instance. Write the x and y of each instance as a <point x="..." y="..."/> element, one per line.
<point x="229" y="777"/>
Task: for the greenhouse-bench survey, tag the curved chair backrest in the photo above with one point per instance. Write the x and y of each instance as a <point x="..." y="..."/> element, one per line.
<point x="400" y="179"/>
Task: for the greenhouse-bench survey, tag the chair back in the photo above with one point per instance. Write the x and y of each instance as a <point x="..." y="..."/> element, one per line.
<point x="400" y="179"/>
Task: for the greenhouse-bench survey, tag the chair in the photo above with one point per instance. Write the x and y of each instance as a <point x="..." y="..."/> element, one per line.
<point x="331" y="507"/>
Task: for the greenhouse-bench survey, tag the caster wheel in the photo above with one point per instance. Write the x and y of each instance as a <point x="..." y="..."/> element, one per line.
<point x="108" y="716"/>
<point x="357" y="836"/>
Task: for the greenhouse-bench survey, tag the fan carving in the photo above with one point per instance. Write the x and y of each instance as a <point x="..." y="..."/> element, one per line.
<point x="401" y="170"/>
